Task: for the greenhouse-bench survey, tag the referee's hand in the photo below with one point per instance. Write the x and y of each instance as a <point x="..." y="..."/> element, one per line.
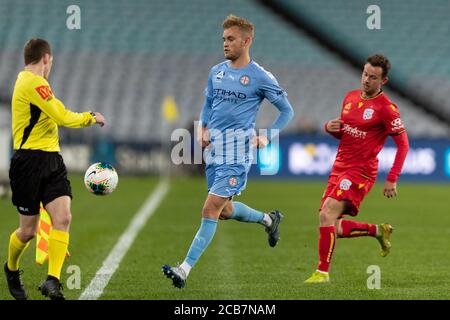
<point x="99" y="119"/>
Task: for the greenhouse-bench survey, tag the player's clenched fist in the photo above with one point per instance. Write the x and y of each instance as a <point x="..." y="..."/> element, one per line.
<point x="260" y="142"/>
<point x="334" y="125"/>
<point x="203" y="138"/>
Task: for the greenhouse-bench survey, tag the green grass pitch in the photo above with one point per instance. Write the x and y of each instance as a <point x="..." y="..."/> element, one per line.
<point x="239" y="264"/>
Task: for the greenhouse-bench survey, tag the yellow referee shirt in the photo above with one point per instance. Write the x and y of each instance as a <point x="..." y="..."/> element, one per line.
<point x="37" y="113"/>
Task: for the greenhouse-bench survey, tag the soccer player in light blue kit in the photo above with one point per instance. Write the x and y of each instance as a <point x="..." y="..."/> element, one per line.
<point x="234" y="94"/>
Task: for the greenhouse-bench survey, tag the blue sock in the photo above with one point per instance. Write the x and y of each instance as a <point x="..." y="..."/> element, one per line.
<point x="244" y="213"/>
<point x="201" y="241"/>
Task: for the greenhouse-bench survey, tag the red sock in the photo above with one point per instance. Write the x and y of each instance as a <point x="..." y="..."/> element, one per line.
<point x="351" y="229"/>
<point x="327" y="241"/>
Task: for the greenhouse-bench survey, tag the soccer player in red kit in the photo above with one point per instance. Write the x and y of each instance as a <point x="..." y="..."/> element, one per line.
<point x="368" y="117"/>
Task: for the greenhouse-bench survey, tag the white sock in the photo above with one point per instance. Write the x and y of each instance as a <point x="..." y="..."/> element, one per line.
<point x="377" y="233"/>
<point x="267" y="220"/>
<point x="186" y="267"/>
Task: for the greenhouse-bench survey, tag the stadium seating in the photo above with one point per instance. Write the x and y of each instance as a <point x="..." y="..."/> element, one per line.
<point x="414" y="35"/>
<point x="129" y="55"/>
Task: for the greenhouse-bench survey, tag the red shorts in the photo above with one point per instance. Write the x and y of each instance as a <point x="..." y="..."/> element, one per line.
<point x="349" y="186"/>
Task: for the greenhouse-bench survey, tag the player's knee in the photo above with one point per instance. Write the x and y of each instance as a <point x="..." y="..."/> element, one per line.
<point x="62" y="220"/>
<point x="224" y="215"/>
<point x="210" y="213"/>
<point x="26" y="234"/>
<point x="323" y="217"/>
<point x="328" y="216"/>
<point x="226" y="212"/>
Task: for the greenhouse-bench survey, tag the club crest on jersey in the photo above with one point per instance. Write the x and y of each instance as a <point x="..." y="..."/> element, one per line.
<point x="244" y="80"/>
<point x="232" y="181"/>
<point x="345" y="184"/>
<point x="368" y="114"/>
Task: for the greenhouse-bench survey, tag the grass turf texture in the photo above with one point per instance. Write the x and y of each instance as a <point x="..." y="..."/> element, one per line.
<point x="239" y="264"/>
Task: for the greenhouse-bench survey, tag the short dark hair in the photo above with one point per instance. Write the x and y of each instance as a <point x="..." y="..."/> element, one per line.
<point x="35" y="49"/>
<point x="378" y="60"/>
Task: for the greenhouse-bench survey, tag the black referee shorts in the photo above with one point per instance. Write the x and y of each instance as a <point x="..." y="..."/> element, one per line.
<point x="37" y="176"/>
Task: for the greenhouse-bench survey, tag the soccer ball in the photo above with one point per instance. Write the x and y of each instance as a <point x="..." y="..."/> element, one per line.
<point x="101" y="178"/>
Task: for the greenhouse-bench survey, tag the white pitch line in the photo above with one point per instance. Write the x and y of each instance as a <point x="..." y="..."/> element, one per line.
<point x="112" y="262"/>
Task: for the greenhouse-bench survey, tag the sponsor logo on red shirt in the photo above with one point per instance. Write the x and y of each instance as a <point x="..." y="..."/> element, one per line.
<point x="354" y="132"/>
<point x="397" y="124"/>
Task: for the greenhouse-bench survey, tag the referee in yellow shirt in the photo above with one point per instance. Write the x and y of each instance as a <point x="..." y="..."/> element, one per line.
<point x="37" y="172"/>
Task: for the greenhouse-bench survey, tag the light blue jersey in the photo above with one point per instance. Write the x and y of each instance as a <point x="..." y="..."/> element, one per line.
<point x="233" y="98"/>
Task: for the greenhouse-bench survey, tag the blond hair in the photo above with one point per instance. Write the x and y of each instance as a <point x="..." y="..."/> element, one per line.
<point x="243" y="24"/>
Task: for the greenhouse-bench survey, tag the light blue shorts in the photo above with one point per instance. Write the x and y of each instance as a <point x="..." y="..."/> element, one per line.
<point x="226" y="180"/>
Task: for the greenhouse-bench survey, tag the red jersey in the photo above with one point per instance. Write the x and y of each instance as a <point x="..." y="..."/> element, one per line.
<point x="367" y="123"/>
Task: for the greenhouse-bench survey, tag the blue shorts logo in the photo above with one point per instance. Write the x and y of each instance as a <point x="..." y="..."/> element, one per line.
<point x="232" y="182"/>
